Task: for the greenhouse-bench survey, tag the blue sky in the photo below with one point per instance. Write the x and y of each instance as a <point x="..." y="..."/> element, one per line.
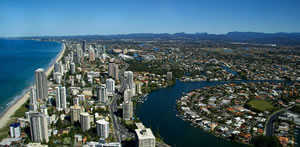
<point x="87" y="17"/>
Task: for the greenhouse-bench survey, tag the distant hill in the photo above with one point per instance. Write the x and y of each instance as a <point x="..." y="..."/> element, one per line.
<point x="245" y="37"/>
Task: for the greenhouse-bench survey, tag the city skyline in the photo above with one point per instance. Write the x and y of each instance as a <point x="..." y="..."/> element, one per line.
<point x="67" y="18"/>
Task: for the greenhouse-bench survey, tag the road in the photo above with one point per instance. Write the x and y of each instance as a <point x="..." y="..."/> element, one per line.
<point x="269" y="123"/>
<point x="113" y="104"/>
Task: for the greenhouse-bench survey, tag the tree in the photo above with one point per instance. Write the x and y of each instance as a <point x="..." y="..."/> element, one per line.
<point x="59" y="124"/>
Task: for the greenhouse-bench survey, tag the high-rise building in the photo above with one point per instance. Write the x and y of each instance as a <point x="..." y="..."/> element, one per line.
<point x="44" y="110"/>
<point x="62" y="68"/>
<point x="71" y="56"/>
<point x="57" y="98"/>
<point x="139" y="88"/>
<point x="110" y="85"/>
<point x="85" y="121"/>
<point x="76" y="101"/>
<point x="73" y="68"/>
<point x="57" y="67"/>
<point x="38" y="127"/>
<point x="130" y="81"/>
<point x="102" y="93"/>
<point x="127" y="94"/>
<point x="116" y="72"/>
<point x="91" y="55"/>
<point x="81" y="98"/>
<point x="15" y="130"/>
<point x="127" y="110"/>
<point x="79" y="54"/>
<point x="33" y="103"/>
<point x="129" y="76"/>
<point x="57" y="77"/>
<point x="102" y="128"/>
<point x="111" y="66"/>
<point x="41" y="84"/>
<point x="75" y="112"/>
<point x="169" y="76"/>
<point x="76" y="58"/>
<point x="96" y="52"/>
<point x="103" y="49"/>
<point x="84" y="46"/>
<point x="61" y="98"/>
<point x="144" y="136"/>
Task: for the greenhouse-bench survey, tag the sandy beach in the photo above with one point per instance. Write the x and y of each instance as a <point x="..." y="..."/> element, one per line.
<point x="11" y="110"/>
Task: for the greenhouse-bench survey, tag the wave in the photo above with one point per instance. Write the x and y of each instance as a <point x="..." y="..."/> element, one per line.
<point x="14" y="100"/>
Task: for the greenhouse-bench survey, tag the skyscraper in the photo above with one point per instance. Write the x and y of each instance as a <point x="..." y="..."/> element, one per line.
<point x="57" y="67"/>
<point x="44" y="110"/>
<point x="57" y="77"/>
<point x="127" y="94"/>
<point x="32" y="105"/>
<point x="61" y="98"/>
<point x="102" y="93"/>
<point x="75" y="112"/>
<point x="129" y="76"/>
<point x="130" y="81"/>
<point x="76" y="101"/>
<point x="102" y="128"/>
<point x="91" y="55"/>
<point x="84" y="45"/>
<point x="73" y="68"/>
<point x="96" y="51"/>
<point x="110" y="85"/>
<point x="139" y="88"/>
<point x="38" y="127"/>
<point x="85" y="121"/>
<point x="116" y="72"/>
<point x="111" y="66"/>
<point x="62" y="68"/>
<point x="41" y="84"/>
<point x="127" y="110"/>
<point x="15" y="130"/>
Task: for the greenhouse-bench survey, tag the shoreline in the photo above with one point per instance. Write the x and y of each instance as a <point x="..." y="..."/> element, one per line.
<point x="9" y="112"/>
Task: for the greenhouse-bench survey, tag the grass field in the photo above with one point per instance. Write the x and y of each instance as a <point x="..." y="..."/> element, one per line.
<point x="261" y="105"/>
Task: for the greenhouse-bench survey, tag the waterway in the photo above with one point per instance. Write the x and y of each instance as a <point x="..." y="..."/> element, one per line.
<point x="159" y="113"/>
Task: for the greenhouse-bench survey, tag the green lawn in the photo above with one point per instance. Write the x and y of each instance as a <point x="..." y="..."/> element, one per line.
<point x="261" y="105"/>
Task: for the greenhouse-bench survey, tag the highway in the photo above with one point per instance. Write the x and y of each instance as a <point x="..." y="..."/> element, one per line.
<point x="113" y="104"/>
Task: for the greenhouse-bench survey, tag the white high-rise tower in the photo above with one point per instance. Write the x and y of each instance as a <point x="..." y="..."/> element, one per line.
<point x="41" y="84"/>
<point x="61" y="98"/>
<point x="102" y="128"/>
<point x="38" y="127"/>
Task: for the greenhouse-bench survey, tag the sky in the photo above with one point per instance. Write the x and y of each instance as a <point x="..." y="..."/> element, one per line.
<point x="103" y="17"/>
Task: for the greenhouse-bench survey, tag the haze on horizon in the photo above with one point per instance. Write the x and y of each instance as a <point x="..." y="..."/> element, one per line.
<point x="79" y="17"/>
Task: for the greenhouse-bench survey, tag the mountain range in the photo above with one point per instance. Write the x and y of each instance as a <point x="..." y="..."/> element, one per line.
<point x="243" y="37"/>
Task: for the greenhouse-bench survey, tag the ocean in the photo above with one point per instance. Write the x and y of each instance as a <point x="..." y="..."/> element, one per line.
<point x="18" y="61"/>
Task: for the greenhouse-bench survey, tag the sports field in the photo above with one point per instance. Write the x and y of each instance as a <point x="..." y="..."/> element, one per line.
<point x="261" y="105"/>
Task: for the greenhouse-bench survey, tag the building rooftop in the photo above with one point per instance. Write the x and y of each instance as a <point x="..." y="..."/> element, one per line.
<point x="101" y="121"/>
<point x="9" y="141"/>
<point x="144" y="133"/>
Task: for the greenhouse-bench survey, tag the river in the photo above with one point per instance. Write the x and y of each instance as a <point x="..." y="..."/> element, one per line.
<point x="159" y="112"/>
